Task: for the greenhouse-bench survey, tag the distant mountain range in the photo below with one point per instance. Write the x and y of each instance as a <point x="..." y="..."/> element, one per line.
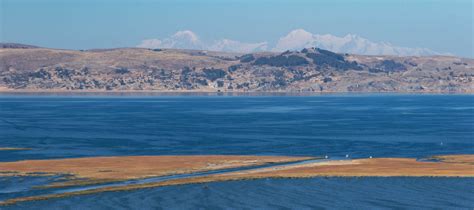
<point x="351" y="43"/>
<point x="30" y="68"/>
<point x="295" y="40"/>
<point x="189" y="40"/>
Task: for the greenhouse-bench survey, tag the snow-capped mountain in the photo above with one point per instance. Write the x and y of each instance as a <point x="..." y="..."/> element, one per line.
<point x="295" y="40"/>
<point x="189" y="40"/>
<point x="228" y="45"/>
<point x="180" y="40"/>
<point x="351" y="43"/>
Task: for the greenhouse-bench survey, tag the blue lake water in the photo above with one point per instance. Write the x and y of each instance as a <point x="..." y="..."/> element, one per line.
<point x="315" y="193"/>
<point x="335" y="125"/>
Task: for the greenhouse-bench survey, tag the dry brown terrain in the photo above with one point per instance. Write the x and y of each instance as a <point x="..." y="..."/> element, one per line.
<point x="169" y="70"/>
<point x="12" y="148"/>
<point x="448" y="166"/>
<point x="134" y="167"/>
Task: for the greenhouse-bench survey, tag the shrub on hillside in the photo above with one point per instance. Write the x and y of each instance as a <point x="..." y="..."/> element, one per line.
<point x="281" y="60"/>
<point x="214" y="74"/>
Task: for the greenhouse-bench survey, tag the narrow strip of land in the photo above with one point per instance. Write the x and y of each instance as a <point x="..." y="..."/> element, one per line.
<point x="437" y="166"/>
<point x="13" y="148"/>
<point x="108" y="169"/>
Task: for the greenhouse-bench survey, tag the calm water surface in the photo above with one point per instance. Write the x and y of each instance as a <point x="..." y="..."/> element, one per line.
<point x="315" y="193"/>
<point x="335" y="125"/>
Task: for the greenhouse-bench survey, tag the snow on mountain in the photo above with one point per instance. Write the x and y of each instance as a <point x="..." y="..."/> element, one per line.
<point x="189" y="40"/>
<point x="294" y="40"/>
<point x="180" y="40"/>
<point x="351" y="43"/>
<point x="228" y="45"/>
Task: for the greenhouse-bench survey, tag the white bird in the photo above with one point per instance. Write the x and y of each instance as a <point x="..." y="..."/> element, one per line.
<point x="347" y="155"/>
<point x="326" y="157"/>
<point x="370" y="157"/>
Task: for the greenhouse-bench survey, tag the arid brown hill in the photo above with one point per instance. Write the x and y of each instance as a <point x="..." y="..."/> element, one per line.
<point x="309" y="70"/>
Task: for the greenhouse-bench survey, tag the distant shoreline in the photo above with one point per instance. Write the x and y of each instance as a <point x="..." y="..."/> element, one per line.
<point x="309" y="71"/>
<point x="225" y="93"/>
<point x="13" y="148"/>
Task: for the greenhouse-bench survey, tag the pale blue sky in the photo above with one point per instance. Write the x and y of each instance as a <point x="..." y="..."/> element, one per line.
<point x="441" y="25"/>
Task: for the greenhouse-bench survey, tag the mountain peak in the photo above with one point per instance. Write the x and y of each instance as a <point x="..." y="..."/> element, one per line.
<point x="350" y="43"/>
<point x="295" y="40"/>
<point x="186" y="35"/>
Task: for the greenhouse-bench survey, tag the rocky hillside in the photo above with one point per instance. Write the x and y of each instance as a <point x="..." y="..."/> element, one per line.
<point x="26" y="68"/>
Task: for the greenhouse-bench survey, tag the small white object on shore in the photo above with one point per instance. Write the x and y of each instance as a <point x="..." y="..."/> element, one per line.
<point x="347" y="155"/>
<point x="370" y="157"/>
<point x="326" y="157"/>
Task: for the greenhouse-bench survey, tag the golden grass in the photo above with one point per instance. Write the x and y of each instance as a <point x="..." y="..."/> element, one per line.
<point x="134" y="167"/>
<point x="449" y="166"/>
<point x="456" y="166"/>
<point x="13" y="148"/>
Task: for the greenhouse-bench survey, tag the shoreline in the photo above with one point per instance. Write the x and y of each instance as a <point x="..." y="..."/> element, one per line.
<point x="14" y="148"/>
<point x="434" y="166"/>
<point x="216" y="93"/>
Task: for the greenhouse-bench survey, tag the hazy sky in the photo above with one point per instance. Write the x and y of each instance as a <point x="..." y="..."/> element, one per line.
<point x="441" y="25"/>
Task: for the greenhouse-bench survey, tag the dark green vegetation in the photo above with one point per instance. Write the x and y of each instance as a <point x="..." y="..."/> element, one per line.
<point x="319" y="57"/>
<point x="282" y="60"/>
<point x="330" y="59"/>
<point x="391" y="65"/>
<point x="247" y="58"/>
<point x="122" y="71"/>
<point x="214" y="74"/>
